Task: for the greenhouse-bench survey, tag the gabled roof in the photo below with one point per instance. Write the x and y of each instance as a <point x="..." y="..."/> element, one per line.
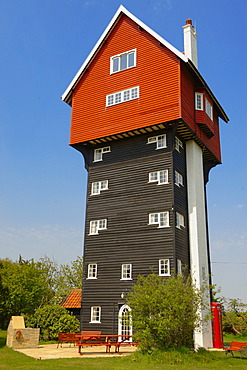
<point x="73" y="300"/>
<point x="66" y="97"/>
<point x="121" y="10"/>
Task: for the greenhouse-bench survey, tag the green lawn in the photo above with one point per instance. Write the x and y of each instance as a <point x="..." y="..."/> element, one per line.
<point x="10" y="359"/>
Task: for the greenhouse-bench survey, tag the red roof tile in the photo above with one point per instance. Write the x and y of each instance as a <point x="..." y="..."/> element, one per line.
<point x="73" y="300"/>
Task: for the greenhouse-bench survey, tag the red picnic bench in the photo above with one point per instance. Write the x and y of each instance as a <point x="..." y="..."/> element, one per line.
<point x="66" y="337"/>
<point x="73" y="337"/>
<point x="89" y="339"/>
<point x="236" y="347"/>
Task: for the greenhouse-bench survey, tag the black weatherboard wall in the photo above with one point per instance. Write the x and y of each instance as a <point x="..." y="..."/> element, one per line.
<point x="126" y="205"/>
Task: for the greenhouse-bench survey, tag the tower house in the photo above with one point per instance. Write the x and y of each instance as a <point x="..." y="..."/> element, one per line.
<point x="147" y="125"/>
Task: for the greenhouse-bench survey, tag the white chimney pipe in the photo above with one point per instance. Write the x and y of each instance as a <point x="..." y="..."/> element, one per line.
<point x="190" y="43"/>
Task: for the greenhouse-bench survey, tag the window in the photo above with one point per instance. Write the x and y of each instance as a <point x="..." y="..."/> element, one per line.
<point x="164" y="267"/>
<point x="178" y="179"/>
<point x="178" y="144"/>
<point x="179" y="267"/>
<point x="126" y="271"/>
<point x="123" y="61"/>
<point x="161" y="219"/>
<point x="92" y="271"/>
<point x="199" y="101"/>
<point x="97" y="225"/>
<point x="98" y="153"/>
<point x="160" y="141"/>
<point x="97" y="187"/>
<point x="179" y="220"/>
<point x="208" y="109"/>
<point x="159" y="176"/>
<point x="122" y="96"/>
<point x="95" y="314"/>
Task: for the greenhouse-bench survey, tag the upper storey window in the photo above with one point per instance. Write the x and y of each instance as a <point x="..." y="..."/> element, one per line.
<point x="199" y="101"/>
<point x="98" y="153"/>
<point x="123" y="61"/>
<point x="208" y="109"/>
<point x="160" y="141"/>
<point x="122" y="96"/>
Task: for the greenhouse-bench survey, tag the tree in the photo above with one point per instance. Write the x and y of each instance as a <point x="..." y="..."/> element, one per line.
<point x="53" y="319"/>
<point x="69" y="277"/>
<point x="24" y="288"/>
<point x="234" y="316"/>
<point x="164" y="312"/>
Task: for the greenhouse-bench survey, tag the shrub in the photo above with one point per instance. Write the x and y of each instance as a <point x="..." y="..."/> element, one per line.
<point x="53" y="319"/>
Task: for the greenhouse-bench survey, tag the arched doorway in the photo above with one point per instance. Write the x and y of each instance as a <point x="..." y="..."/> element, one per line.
<point x="124" y="321"/>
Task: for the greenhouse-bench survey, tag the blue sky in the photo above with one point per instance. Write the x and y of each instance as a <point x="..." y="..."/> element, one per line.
<point x="42" y="179"/>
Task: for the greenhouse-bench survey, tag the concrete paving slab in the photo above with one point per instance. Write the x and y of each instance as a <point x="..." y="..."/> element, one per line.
<point x="50" y="351"/>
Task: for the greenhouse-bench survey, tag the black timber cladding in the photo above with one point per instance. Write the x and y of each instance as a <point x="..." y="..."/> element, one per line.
<point x="126" y="206"/>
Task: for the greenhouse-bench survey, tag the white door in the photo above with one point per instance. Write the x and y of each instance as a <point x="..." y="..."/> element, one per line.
<point x="124" y="321"/>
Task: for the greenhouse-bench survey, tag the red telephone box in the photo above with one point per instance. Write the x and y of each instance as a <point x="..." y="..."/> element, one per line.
<point x="217" y="325"/>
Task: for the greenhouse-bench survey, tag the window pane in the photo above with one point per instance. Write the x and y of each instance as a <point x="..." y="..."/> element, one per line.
<point x="123" y="62"/>
<point x="131" y="59"/>
<point x="153" y="176"/>
<point x="152" y="140"/>
<point x="161" y="143"/>
<point x="163" y="219"/>
<point x="163" y="177"/>
<point x="134" y="93"/>
<point x="95" y="188"/>
<point x="117" y="98"/>
<point x="115" y="67"/>
<point x="110" y="100"/>
<point x="93" y="227"/>
<point x="126" y="95"/>
<point x="98" y="155"/>
<point x="104" y="185"/>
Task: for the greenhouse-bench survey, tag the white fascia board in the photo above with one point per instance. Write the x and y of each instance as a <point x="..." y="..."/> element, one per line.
<point x="120" y="10"/>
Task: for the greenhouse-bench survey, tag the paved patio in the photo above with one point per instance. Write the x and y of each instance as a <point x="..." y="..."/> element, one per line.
<point x="50" y="351"/>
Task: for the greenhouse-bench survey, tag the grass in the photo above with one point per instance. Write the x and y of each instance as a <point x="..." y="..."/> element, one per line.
<point x="183" y="360"/>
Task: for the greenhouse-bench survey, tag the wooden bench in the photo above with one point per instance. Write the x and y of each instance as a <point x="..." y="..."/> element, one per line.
<point x="236" y="347"/>
<point x="90" y="338"/>
<point x="66" y="337"/>
<point x="118" y="344"/>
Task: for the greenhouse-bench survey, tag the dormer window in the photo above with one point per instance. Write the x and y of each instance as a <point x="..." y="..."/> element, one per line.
<point x="123" y="61"/>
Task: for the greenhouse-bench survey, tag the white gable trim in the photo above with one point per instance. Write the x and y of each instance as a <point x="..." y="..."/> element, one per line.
<point x="121" y="9"/>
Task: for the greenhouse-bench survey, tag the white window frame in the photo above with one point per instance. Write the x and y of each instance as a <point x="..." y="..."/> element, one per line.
<point x="208" y="109"/>
<point x="123" y="96"/>
<point x="178" y="179"/>
<point x="156" y="219"/>
<point x="98" y="153"/>
<point x="92" y="271"/>
<point x="96" y="225"/>
<point x="178" y="144"/>
<point x="160" y="141"/>
<point x="95" y="314"/>
<point x="118" y="58"/>
<point x="179" y="266"/>
<point x="164" y="267"/>
<point x="199" y="101"/>
<point x="125" y="271"/>
<point x="179" y="222"/>
<point x="99" y="186"/>
<point x="156" y="176"/>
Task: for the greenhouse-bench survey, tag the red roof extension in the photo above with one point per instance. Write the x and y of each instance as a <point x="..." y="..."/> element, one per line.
<point x="73" y="300"/>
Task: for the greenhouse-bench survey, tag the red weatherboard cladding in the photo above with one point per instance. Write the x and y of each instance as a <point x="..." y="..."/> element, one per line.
<point x="162" y="78"/>
<point x="157" y="74"/>
<point x="192" y="117"/>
